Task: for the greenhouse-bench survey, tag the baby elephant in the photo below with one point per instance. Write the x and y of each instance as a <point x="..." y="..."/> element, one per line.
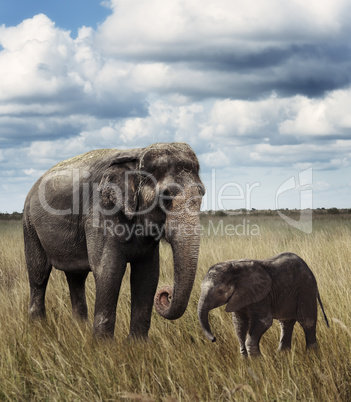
<point x="256" y="291"/>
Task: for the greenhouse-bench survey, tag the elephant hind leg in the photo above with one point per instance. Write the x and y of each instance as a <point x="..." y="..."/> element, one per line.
<point x="287" y="327"/>
<point x="309" y="327"/>
<point x="37" y="296"/>
<point x="307" y="318"/>
<point x="76" y="283"/>
<point x="39" y="269"/>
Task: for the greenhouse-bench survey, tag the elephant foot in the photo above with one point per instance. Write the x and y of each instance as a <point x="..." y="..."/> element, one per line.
<point x="37" y="314"/>
<point x="284" y="348"/>
<point x="80" y="316"/>
<point x="102" y="332"/>
<point x="137" y="338"/>
<point x="243" y="351"/>
<point x="255" y="355"/>
<point x="253" y="349"/>
<point x="312" y="346"/>
<point x="102" y="336"/>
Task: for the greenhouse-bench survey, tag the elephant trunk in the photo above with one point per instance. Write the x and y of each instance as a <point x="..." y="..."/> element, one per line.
<point x="182" y="232"/>
<point x="171" y="303"/>
<point x="202" y="313"/>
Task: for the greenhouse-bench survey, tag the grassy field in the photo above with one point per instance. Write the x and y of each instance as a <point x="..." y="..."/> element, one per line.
<point x="58" y="359"/>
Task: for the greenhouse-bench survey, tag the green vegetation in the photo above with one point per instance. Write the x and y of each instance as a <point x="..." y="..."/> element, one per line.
<point x="58" y="359"/>
<point x="15" y="216"/>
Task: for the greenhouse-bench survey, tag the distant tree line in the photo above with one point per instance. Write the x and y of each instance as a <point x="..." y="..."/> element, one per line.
<point x="15" y="216"/>
<point x="271" y="212"/>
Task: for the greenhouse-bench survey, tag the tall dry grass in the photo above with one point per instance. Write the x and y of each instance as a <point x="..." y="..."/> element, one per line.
<point x="59" y="360"/>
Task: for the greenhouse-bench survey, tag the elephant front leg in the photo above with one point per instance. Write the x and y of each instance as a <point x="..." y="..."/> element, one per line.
<point x="241" y="325"/>
<point x="258" y="326"/>
<point x="143" y="282"/>
<point x="108" y="282"/>
<point x="287" y="327"/>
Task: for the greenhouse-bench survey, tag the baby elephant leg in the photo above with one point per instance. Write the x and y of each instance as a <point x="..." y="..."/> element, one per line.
<point x="258" y="326"/>
<point x="287" y="327"/>
<point x="241" y="325"/>
<point x="309" y="327"/>
<point x="307" y="318"/>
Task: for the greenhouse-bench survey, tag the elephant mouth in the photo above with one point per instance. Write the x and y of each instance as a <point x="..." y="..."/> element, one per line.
<point x="163" y="297"/>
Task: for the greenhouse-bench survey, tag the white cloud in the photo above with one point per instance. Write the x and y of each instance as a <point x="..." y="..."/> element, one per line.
<point x="232" y="118"/>
<point x="216" y="159"/>
<point x="272" y="117"/>
<point x="326" y="116"/>
<point x="152" y="26"/>
<point x="37" y="29"/>
<point x="165" y="122"/>
<point x="41" y="64"/>
<point x="309" y="119"/>
<point x="35" y="59"/>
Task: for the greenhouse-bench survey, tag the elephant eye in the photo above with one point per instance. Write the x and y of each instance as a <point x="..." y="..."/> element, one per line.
<point x="165" y="202"/>
<point x="222" y="291"/>
<point x="167" y="194"/>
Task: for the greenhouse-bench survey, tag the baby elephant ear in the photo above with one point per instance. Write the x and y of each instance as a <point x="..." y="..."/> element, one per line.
<point x="252" y="284"/>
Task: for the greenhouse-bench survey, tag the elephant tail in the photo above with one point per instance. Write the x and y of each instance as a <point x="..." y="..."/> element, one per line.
<point x="321" y="304"/>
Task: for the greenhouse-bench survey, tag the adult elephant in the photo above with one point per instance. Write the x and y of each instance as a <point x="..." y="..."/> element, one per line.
<point x="100" y="210"/>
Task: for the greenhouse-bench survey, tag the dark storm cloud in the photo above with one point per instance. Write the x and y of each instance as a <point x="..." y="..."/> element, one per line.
<point x="24" y="130"/>
<point x="62" y="121"/>
<point x="238" y="73"/>
<point x="310" y="70"/>
<point x="272" y="57"/>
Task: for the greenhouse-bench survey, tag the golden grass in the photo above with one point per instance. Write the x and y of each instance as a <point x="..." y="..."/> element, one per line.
<point x="59" y="360"/>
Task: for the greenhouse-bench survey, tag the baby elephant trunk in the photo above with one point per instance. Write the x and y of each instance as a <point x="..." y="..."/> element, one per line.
<point x="202" y="313"/>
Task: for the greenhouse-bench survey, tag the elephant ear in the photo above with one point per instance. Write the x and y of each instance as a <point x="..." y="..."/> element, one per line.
<point x="251" y="284"/>
<point x="119" y="185"/>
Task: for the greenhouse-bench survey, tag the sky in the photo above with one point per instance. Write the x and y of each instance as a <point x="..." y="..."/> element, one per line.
<point x="261" y="90"/>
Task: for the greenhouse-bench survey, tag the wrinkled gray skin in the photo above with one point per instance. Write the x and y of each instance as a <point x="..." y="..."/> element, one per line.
<point x="256" y="292"/>
<point x="78" y="217"/>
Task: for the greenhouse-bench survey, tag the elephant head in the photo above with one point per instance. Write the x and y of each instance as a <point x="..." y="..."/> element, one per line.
<point x="235" y="283"/>
<point x="161" y="188"/>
